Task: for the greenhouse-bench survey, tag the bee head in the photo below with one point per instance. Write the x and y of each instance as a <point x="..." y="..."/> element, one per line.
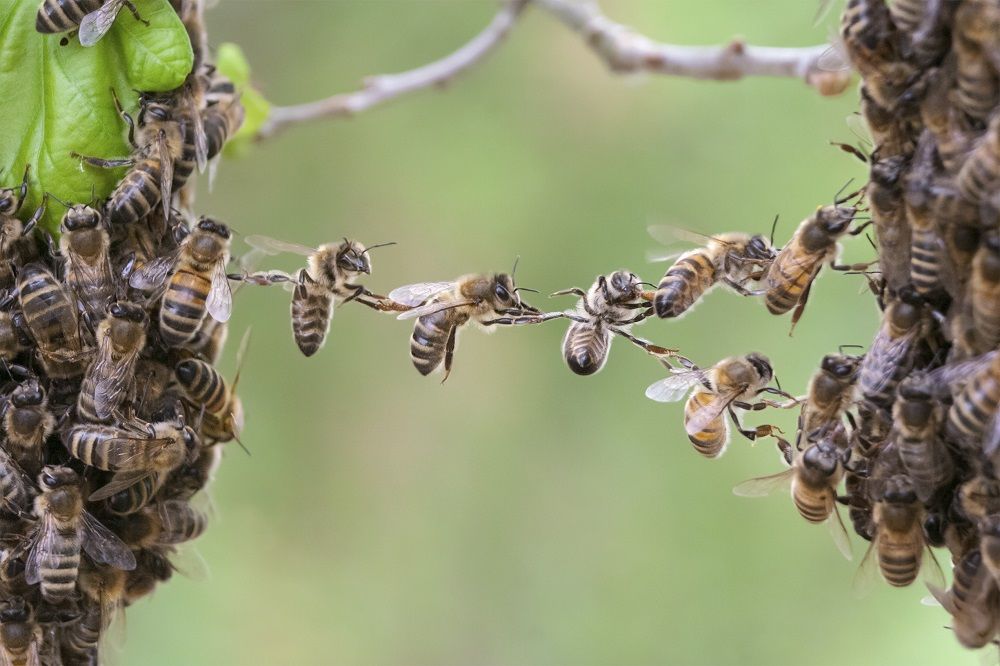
<point x="834" y="220"/>
<point x="212" y="226"/>
<point x="28" y="394"/>
<point x="759" y="247"/>
<point x="839" y="365"/>
<point x="622" y="284"/>
<point x="823" y="456"/>
<point x="352" y="257"/>
<point x="81" y="216"/>
<point x="154" y="109"/>
<point x="761" y="365"/>
<point x="131" y="312"/>
<point x="15" y="610"/>
<point x="56" y="476"/>
<point x="503" y="292"/>
<point x="899" y="490"/>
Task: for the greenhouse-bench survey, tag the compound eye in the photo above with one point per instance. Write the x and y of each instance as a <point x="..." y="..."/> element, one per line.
<point x="49" y="481"/>
<point x="116" y="310"/>
<point x="502" y="293"/>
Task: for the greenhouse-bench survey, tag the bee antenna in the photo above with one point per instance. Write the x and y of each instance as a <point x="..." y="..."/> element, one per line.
<point x="370" y="247"/>
<point x="777" y="382"/>
<point x="242" y="445"/>
<point x="841" y="348"/>
<point x="649" y="284"/>
<point x="774" y="225"/>
<point x="836" y="198"/>
<point x="513" y="271"/>
<point x="64" y="203"/>
<point x="534" y="291"/>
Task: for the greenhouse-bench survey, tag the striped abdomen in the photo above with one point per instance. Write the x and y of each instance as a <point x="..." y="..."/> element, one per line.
<point x="50" y="315"/>
<point x="976" y="84"/>
<point x="814" y="507"/>
<point x="429" y="340"/>
<point x="203" y="385"/>
<point x="789" y="276"/>
<point x="183" y="307"/>
<point x="186" y="159"/>
<point x="221" y="123"/>
<point x="925" y="259"/>
<point x="136" y="194"/>
<point x="59" y="565"/>
<point x="10" y="341"/>
<point x="312" y="309"/>
<point x="980" y="175"/>
<point x="684" y="283"/>
<point x="62" y="15"/>
<point x="899" y="556"/>
<point x="984" y="295"/>
<point x="179" y="522"/>
<point x="926" y="461"/>
<point x="109" y="448"/>
<point x="711" y="440"/>
<point x="907" y="14"/>
<point x="975" y="404"/>
<point x="80" y="638"/>
<point x="585" y="347"/>
<point x="136" y="496"/>
<point x="17" y="494"/>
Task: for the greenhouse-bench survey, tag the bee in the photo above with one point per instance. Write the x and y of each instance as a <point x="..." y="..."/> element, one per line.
<point x="197" y="282"/>
<point x="984" y="293"/>
<point x="973" y="601"/>
<point x="831" y="391"/>
<point x="65" y="528"/>
<point x="12" y="229"/>
<point x="158" y="143"/>
<point x="979" y="496"/>
<point x="166" y="523"/>
<point x="20" y="635"/>
<point x="221" y="410"/>
<point x="86" y="246"/>
<point x="890" y="355"/>
<point x="50" y="317"/>
<point x="925" y="26"/>
<point x="443" y="308"/>
<point x="814" y="476"/>
<point x="223" y="114"/>
<point x="733" y="259"/>
<point x="152" y="567"/>
<point x="327" y="281"/>
<point x="975" y="388"/>
<point x="891" y="133"/>
<point x="120" y="339"/>
<point x="977" y="86"/>
<point x="899" y="544"/>
<point x="210" y="340"/>
<point x="28" y="423"/>
<point x="93" y="17"/>
<point x="951" y="132"/>
<point x="609" y="306"/>
<point x="873" y="46"/>
<point x="193" y="476"/>
<point x="728" y="385"/>
<point x="979" y="176"/>
<point x="926" y="246"/>
<point x="790" y="276"/>
<point x="886" y="200"/>
<point x="917" y="416"/>
<point x="103" y="597"/>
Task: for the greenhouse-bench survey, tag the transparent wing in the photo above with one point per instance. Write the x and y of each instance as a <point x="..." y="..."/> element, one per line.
<point x="153" y="274"/>
<point x="114" y="380"/>
<point x="835" y="525"/>
<point x="269" y="245"/>
<point x="942" y="597"/>
<point x="44" y="543"/>
<point x="416" y="294"/>
<point x="834" y="59"/>
<point x="794" y="264"/>
<point x="867" y="573"/>
<point x="889" y="353"/>
<point x="949" y="377"/>
<point x="707" y="413"/>
<point x="119" y="482"/>
<point x="188" y="562"/>
<point x="856" y="123"/>
<point x="930" y="570"/>
<point x="86" y="273"/>
<point x="432" y="308"/>
<point x="97" y="23"/>
<point x="200" y="139"/>
<point x="220" y="297"/>
<point x="765" y="485"/>
<point x="103" y="546"/>
<point x="33" y="656"/>
<point x="675" y="387"/>
<point x="656" y="256"/>
<point x="166" y="161"/>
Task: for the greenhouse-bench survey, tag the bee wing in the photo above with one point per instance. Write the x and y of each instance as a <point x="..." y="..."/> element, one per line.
<point x="835" y="524"/>
<point x="949" y="377"/>
<point x="762" y="486"/>
<point x="220" y="297"/>
<point x="432" y="308"/>
<point x="707" y="413"/>
<point x="153" y="274"/>
<point x="200" y="139"/>
<point x="890" y="352"/>
<point x="417" y="294"/>
<point x="930" y="570"/>
<point x="942" y="597"/>
<point x="675" y="387"/>
<point x="103" y="546"/>
<point x="119" y="482"/>
<point x="33" y="655"/>
<point x="114" y="383"/>
<point x="269" y="245"/>
<point x="97" y="23"/>
<point x="166" y="161"/>
<point x="188" y="562"/>
<point x="856" y="123"/>
<point x="44" y="542"/>
<point x="867" y="573"/>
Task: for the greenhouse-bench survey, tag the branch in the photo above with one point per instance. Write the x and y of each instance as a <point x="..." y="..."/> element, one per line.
<point x="626" y="51"/>
<point x="380" y="89"/>
<point x="622" y="49"/>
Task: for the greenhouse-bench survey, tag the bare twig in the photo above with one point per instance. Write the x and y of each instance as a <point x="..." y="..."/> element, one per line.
<point x="621" y="48"/>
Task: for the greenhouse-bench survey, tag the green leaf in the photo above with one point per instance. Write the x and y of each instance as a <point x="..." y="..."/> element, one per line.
<point x="231" y="62"/>
<point x="58" y="98"/>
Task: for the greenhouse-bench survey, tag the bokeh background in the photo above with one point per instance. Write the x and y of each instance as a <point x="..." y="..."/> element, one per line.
<point x="519" y="514"/>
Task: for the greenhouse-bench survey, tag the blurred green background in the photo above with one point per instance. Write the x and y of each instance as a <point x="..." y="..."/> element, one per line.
<point x="519" y="514"/>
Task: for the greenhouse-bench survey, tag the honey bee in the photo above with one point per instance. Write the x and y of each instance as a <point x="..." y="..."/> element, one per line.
<point x="609" y="306"/>
<point x="831" y="391"/>
<point x="197" y="282"/>
<point x="152" y="567"/>
<point x="327" y="281"/>
<point x="50" y="317"/>
<point x="984" y="293"/>
<point x="135" y="497"/>
<point x="891" y="133"/>
<point x="221" y="409"/>
<point x="28" y="424"/>
<point x="20" y="635"/>
<point x="103" y="596"/>
<point x="886" y="200"/>
<point x="917" y="416"/>
<point x="12" y="229"/>
<point x="790" y="276"/>
<point x="890" y="355"/>
<point x="899" y="544"/>
<point x="159" y="142"/>
<point x="925" y="26"/>
<point x="223" y="114"/>
<point x="210" y="340"/>
<point x="951" y="132"/>
<point x="733" y="259"/>
<point x="979" y="176"/>
<point x="442" y="308"/>
<point x="975" y="387"/>
<point x="973" y="601"/>
<point x="979" y="496"/>
<point x="85" y="244"/>
<point x="191" y="477"/>
<point x="730" y="384"/>
<point x="166" y="523"/>
<point x="120" y="339"/>
<point x="814" y="476"/>
<point x="977" y="86"/>
<point x="65" y="529"/>
<point x="873" y="46"/>
<point x="93" y="17"/>
<point x="926" y="246"/>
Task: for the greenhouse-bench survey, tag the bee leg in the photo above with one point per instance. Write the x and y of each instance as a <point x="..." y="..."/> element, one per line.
<point x="29" y="226"/>
<point x="135" y="13"/>
<point x="449" y="353"/>
<point x="800" y="307"/>
<point x="125" y="117"/>
<point x="531" y="319"/>
<point x="774" y="391"/>
<point x="102" y="163"/>
<point x="655" y="350"/>
<point x="576" y="291"/>
<point x="752" y="435"/>
<point x="639" y="317"/>
<point x="23" y="190"/>
<point x="739" y="288"/>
